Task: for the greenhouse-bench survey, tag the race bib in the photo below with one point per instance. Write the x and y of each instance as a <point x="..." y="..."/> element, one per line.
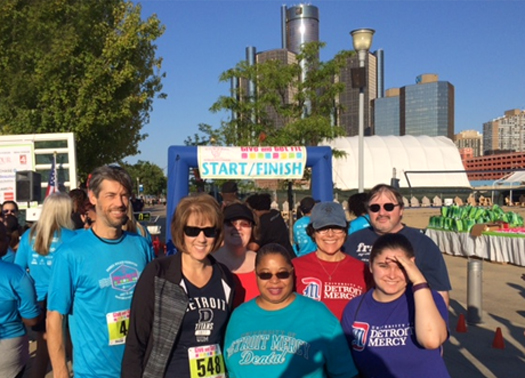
<point x="118" y="324"/>
<point x="206" y="361"/>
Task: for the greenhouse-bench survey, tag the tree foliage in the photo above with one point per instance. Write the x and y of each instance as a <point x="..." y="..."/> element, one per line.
<point x="148" y="174"/>
<point x="278" y="115"/>
<point x="89" y="67"/>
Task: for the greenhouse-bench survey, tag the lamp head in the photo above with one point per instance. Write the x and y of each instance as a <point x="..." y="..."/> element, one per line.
<point x="362" y="38"/>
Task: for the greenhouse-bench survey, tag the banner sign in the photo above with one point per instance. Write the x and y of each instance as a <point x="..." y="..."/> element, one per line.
<point x="14" y="157"/>
<point x="251" y="162"/>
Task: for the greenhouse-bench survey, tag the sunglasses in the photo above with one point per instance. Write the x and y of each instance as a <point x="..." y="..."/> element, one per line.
<point x="209" y="232"/>
<point x="265" y="276"/>
<point x="238" y="223"/>
<point x="387" y="206"/>
<point x="335" y="230"/>
<point x="8" y="211"/>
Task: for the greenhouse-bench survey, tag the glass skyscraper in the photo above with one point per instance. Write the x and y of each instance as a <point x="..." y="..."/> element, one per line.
<point x="426" y="108"/>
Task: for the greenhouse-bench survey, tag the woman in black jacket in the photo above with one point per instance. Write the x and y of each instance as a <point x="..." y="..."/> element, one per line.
<point x="182" y="302"/>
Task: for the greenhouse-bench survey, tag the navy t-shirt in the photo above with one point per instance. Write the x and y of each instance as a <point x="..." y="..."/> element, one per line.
<point x="204" y="323"/>
<point x="429" y="259"/>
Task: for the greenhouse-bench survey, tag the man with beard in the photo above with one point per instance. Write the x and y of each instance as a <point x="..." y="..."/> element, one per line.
<point x="94" y="276"/>
<point x="385" y="208"/>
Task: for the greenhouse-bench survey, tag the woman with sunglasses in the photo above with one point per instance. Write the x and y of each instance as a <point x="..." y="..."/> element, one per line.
<point x="281" y="333"/>
<point x="239" y="225"/>
<point x="36" y="253"/>
<point x="182" y="302"/>
<point x="329" y="275"/>
<point x="397" y="329"/>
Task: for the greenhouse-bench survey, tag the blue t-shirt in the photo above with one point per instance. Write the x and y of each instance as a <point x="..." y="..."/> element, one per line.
<point x="93" y="280"/>
<point x="40" y="266"/>
<point x="303" y="339"/>
<point x="303" y="244"/>
<point x="429" y="258"/>
<point x="359" y="223"/>
<point x="383" y="341"/>
<point x="9" y="256"/>
<point x="17" y="300"/>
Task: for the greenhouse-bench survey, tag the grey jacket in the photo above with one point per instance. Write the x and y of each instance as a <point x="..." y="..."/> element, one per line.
<point x="158" y="307"/>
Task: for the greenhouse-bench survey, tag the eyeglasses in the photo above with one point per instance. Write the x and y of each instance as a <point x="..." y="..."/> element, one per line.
<point x="238" y="223"/>
<point x="9" y="211"/>
<point x="387" y="206"/>
<point x="209" y="232"/>
<point x="335" y="230"/>
<point x="265" y="276"/>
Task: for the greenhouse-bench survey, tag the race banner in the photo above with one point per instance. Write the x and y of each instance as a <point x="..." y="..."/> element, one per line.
<point x="217" y="162"/>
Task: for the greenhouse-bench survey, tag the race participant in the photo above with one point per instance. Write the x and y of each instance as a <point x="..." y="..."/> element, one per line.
<point x="18" y="307"/>
<point x="328" y="275"/>
<point x="281" y="333"/>
<point x="182" y="302"/>
<point x="36" y="253"/>
<point x="397" y="329"/>
<point x="303" y="243"/>
<point x="238" y="232"/>
<point x="385" y="207"/>
<point x="93" y="279"/>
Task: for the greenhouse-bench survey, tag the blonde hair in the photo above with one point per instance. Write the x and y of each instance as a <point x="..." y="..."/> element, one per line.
<point x="55" y="215"/>
<point x="132" y="225"/>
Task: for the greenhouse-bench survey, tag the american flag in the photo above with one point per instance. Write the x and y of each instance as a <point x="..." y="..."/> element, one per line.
<point x="52" y="186"/>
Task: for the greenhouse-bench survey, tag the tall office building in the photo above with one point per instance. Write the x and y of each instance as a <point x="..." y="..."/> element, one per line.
<point x="426" y="108"/>
<point x="300" y="25"/>
<point x="348" y="118"/>
<point x="470" y="139"/>
<point x="505" y="133"/>
<point x="386" y="113"/>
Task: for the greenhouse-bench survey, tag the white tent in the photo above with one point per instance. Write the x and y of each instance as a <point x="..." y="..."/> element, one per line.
<point x="404" y="153"/>
<point x="518" y="177"/>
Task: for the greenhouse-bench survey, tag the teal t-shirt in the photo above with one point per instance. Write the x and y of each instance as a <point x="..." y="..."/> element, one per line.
<point x="303" y="244"/>
<point x="302" y="340"/>
<point x="40" y="266"/>
<point x="93" y="280"/>
<point x="9" y="256"/>
<point x="17" y="300"/>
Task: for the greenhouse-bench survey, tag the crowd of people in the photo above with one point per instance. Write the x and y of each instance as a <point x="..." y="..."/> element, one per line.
<point x="240" y="298"/>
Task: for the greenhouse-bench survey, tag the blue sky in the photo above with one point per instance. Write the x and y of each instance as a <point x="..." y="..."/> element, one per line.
<point x="475" y="45"/>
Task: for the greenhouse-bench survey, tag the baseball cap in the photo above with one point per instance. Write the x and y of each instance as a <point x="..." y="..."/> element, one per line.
<point x="238" y="211"/>
<point x="229" y="187"/>
<point x="326" y="214"/>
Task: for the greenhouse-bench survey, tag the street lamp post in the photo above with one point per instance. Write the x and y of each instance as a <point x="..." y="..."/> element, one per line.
<point x="362" y="39"/>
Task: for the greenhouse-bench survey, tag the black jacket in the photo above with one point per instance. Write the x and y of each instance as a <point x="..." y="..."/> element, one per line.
<point x="158" y="307"/>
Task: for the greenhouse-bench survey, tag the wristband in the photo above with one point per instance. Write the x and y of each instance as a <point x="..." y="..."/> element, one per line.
<point x="422" y="285"/>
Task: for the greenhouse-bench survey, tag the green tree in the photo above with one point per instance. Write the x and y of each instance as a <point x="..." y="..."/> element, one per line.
<point x="301" y="96"/>
<point x="148" y="174"/>
<point x="89" y="67"/>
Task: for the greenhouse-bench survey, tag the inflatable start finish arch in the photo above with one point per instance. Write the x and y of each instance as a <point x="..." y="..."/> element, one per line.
<point x="182" y="158"/>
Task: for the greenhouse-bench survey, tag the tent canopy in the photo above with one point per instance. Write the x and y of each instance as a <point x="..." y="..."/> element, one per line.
<point x="404" y="153"/>
<point x="518" y="176"/>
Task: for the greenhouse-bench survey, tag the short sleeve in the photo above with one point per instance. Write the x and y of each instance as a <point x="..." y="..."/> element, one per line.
<point x="27" y="304"/>
<point x="62" y="283"/>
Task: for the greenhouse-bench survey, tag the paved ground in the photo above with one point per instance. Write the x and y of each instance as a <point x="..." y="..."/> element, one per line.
<point x="470" y="354"/>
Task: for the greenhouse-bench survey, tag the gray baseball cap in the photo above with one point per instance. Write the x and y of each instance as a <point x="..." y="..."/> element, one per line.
<point x="326" y="214"/>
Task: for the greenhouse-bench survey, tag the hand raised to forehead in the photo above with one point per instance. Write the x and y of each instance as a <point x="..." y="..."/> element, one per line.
<point x="413" y="273"/>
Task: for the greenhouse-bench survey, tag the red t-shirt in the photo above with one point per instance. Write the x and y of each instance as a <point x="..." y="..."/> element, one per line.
<point x="335" y="285"/>
<point x="245" y="287"/>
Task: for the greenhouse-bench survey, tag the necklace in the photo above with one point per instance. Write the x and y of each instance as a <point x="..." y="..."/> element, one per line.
<point x="322" y="266"/>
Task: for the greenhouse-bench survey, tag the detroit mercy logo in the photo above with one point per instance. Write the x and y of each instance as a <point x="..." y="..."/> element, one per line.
<point x="360" y="333"/>
<point x="313" y="288"/>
